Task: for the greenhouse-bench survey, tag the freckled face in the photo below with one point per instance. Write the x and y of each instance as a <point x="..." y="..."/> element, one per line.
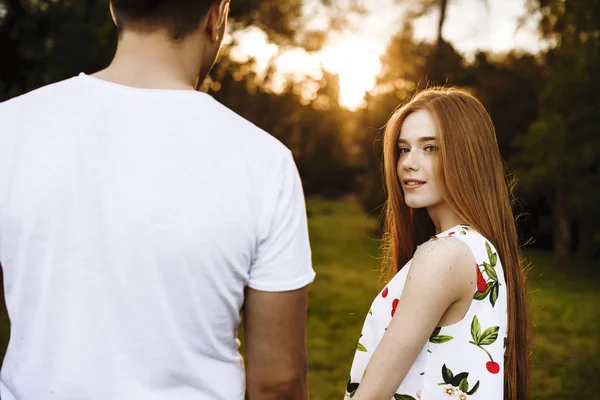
<point x="418" y="161"/>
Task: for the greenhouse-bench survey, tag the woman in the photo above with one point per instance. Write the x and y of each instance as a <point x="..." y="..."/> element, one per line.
<point x="452" y="321"/>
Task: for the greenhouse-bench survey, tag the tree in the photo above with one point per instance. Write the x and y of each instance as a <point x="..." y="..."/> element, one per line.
<point x="287" y="22"/>
<point x="37" y="45"/>
<point x="561" y="152"/>
<point x="419" y="8"/>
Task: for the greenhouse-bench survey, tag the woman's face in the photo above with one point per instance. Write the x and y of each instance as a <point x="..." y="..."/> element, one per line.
<point x="418" y="164"/>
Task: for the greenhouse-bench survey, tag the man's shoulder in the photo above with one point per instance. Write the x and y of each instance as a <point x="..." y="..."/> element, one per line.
<point x="36" y="96"/>
<point x="244" y="130"/>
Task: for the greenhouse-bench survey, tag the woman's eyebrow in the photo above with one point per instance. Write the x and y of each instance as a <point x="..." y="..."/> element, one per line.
<point x="421" y="139"/>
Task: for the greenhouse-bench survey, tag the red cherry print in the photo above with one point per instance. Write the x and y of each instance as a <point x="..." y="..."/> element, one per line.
<point x="394" y="305"/>
<point x="493" y="367"/>
<point x="481" y="283"/>
<point x="385" y="293"/>
<point x="451" y="233"/>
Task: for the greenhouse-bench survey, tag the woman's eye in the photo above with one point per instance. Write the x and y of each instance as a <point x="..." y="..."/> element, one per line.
<point x="430" y="148"/>
<point x="404" y="150"/>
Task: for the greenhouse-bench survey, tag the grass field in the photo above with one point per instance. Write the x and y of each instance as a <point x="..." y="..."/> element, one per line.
<point x="566" y="310"/>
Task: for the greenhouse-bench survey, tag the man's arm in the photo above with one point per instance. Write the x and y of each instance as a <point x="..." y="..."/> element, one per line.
<point x="275" y="341"/>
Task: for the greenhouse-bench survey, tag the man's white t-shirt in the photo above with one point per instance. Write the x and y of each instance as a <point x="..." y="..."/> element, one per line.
<point x="131" y="220"/>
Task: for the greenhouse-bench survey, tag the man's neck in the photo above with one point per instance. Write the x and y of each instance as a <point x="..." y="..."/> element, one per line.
<point x="153" y="61"/>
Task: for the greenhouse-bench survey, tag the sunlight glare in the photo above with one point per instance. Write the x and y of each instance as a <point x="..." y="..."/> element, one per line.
<point x="357" y="64"/>
<point x="252" y="42"/>
<point x="354" y="58"/>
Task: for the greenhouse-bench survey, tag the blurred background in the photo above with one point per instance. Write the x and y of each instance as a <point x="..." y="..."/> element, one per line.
<point x="323" y="76"/>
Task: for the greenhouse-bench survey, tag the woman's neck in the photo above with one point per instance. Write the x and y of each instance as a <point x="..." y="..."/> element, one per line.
<point x="443" y="217"/>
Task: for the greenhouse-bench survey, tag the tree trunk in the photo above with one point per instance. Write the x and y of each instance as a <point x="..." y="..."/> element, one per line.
<point x="562" y="227"/>
<point x="438" y="73"/>
<point x="586" y="232"/>
<point x="443" y="11"/>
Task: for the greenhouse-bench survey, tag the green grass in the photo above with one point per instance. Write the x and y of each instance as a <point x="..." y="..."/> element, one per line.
<point x="344" y="256"/>
<point x="4" y="334"/>
<point x="566" y="318"/>
<point x="565" y="309"/>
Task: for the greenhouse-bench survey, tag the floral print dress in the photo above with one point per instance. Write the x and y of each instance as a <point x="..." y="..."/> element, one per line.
<point x="460" y="361"/>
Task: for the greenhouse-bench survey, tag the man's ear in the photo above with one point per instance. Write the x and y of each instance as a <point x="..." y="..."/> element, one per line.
<point x="217" y="16"/>
<point x="112" y="13"/>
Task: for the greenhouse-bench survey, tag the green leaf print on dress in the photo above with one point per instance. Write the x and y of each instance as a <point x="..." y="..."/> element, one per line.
<point x="457" y="386"/>
<point x="437" y="338"/>
<point x="403" y="397"/>
<point x="351" y="387"/>
<point x="360" y="346"/>
<point x="491" y="286"/>
<point x="485" y="338"/>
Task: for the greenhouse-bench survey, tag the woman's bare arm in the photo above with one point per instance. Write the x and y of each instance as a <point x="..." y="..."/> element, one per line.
<point x="442" y="272"/>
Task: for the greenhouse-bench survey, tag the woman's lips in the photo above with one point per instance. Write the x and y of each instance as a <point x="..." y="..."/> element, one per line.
<point x="412" y="184"/>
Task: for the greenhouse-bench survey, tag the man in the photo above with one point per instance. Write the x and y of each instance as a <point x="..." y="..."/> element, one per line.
<point x="139" y="218"/>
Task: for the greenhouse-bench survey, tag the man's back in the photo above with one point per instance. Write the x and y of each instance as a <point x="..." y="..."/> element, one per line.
<point x="131" y="221"/>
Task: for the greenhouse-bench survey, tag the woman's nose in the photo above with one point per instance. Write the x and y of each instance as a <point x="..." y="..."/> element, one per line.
<point x="409" y="161"/>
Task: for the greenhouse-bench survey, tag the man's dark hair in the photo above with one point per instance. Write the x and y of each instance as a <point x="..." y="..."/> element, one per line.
<point x="179" y="17"/>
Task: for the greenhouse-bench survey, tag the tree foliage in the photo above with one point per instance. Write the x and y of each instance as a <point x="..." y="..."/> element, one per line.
<point x="559" y="157"/>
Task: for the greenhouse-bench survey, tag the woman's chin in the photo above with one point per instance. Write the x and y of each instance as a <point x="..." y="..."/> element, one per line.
<point x="413" y="204"/>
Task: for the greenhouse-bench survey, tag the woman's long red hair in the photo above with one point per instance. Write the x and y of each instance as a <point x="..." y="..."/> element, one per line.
<point x="475" y="187"/>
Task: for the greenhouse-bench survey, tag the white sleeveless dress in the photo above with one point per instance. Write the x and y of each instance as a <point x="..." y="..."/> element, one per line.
<point x="461" y="361"/>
